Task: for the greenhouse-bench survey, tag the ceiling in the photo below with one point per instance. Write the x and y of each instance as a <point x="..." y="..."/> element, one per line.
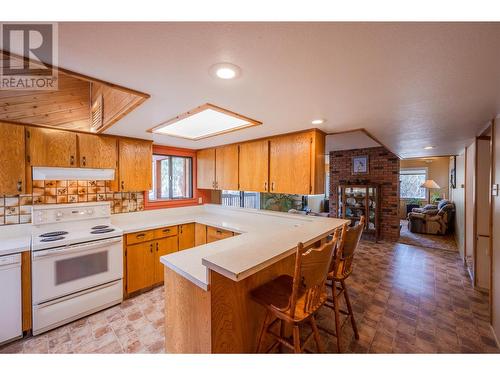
<point x="410" y="85"/>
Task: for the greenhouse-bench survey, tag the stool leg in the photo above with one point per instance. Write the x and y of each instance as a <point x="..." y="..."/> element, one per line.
<point x="317" y="337"/>
<point x="296" y="338"/>
<point x="337" y="314"/>
<point x="262" y="332"/>
<point x="349" y="309"/>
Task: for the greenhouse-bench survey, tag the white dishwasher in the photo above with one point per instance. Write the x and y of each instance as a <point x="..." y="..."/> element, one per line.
<point x="10" y="297"/>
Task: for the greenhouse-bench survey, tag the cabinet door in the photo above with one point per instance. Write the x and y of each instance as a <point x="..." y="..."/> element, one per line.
<point x="216" y="234"/>
<point x="51" y="147"/>
<point x="135" y="164"/>
<point x="200" y="234"/>
<point x="226" y="168"/>
<point x="12" y="159"/>
<point x="254" y="166"/>
<point x="186" y="236"/>
<point x="163" y="247"/>
<point x="140" y="266"/>
<point x="290" y="164"/>
<point x="205" y="169"/>
<point x="97" y="151"/>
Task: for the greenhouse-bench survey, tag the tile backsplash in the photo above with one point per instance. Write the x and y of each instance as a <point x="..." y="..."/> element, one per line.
<point x="16" y="209"/>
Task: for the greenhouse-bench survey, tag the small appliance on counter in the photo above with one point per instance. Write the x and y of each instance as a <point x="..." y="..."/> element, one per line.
<point x="77" y="262"/>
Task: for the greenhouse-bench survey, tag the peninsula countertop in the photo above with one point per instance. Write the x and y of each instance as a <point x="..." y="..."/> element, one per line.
<point x="265" y="238"/>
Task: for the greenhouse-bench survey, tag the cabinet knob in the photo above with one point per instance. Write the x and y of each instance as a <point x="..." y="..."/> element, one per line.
<point x="151" y="248"/>
<point x="71" y="160"/>
<point x="123" y="185"/>
<point x="272" y="186"/>
<point x="265" y="186"/>
<point x="19" y="186"/>
<point x="157" y="247"/>
<point x="84" y="161"/>
<point x="213" y="184"/>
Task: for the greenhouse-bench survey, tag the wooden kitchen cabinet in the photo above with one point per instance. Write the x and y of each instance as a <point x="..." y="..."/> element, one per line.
<point x="297" y="163"/>
<point x="200" y="234"/>
<point x="140" y="266"/>
<point x="254" y="166"/>
<point x="163" y="246"/>
<point x="226" y="167"/>
<point x="205" y="170"/>
<point x="186" y="236"/>
<point x="135" y="164"/>
<point x="216" y="234"/>
<point x="12" y="159"/>
<point x="97" y="151"/>
<point x="51" y="147"/>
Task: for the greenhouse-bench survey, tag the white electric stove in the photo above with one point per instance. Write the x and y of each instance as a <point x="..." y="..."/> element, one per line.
<point x="77" y="266"/>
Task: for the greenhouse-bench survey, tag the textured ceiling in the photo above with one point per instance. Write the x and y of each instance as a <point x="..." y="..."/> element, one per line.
<point x="409" y="84"/>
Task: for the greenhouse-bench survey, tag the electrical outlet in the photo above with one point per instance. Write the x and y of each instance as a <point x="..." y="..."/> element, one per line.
<point x="200" y="200"/>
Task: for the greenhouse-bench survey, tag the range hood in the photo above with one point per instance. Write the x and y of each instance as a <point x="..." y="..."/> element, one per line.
<point x="47" y="173"/>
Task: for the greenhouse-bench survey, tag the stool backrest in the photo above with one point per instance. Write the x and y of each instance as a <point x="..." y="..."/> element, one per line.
<point x="344" y="253"/>
<point x="311" y="271"/>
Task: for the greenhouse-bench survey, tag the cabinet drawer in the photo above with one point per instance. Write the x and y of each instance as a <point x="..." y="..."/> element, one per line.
<point x="137" y="237"/>
<point x="215" y="234"/>
<point x="165" y="232"/>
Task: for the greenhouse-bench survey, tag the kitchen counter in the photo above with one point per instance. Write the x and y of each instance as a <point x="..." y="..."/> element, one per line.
<point x="265" y="238"/>
<point x="15" y="238"/>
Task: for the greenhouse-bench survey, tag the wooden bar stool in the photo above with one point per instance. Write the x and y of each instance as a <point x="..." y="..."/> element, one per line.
<point x="294" y="300"/>
<point x="340" y="269"/>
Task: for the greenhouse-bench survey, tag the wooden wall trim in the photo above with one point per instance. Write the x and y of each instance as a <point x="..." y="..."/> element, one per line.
<point x="26" y="290"/>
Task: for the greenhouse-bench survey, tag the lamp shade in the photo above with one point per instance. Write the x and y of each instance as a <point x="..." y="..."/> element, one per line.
<point x="430" y="184"/>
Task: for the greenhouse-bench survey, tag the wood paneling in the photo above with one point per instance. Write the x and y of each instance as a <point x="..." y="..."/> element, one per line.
<point x="51" y="147"/>
<point x="187" y="316"/>
<point x="186" y="236"/>
<point x="216" y="234"/>
<point x="163" y="247"/>
<point x="318" y="167"/>
<point x="254" y="166"/>
<point x="226" y="167"/>
<point x="26" y="290"/>
<point x="290" y="164"/>
<point x="97" y="151"/>
<point x="12" y="159"/>
<point x="200" y="234"/>
<point x="140" y="266"/>
<point x="135" y="158"/>
<point x="206" y="168"/>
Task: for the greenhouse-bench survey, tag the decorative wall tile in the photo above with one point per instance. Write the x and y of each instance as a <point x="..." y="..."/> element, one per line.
<point x="17" y="209"/>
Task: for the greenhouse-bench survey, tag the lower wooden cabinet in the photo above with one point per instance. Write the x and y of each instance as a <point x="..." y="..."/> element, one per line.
<point x="163" y="247"/>
<point x="186" y="236"/>
<point x="216" y="234"/>
<point x="200" y="234"/>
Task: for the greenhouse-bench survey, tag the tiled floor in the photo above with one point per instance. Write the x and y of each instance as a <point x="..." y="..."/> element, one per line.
<point x="406" y="299"/>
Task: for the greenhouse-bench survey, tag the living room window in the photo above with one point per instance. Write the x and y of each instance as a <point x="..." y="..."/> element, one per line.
<point x="172" y="178"/>
<point x="410" y="181"/>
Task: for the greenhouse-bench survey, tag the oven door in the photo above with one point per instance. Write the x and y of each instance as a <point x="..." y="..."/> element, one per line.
<point x="65" y="270"/>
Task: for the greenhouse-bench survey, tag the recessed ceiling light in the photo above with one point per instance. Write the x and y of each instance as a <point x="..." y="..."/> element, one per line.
<point x="428" y="147"/>
<point x="225" y="71"/>
<point x="204" y="121"/>
<point x="317" y="122"/>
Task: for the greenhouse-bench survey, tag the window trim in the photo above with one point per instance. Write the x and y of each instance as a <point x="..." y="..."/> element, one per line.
<point x="426" y="169"/>
<point x="178" y="202"/>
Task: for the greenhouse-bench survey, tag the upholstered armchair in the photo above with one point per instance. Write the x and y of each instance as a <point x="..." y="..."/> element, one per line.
<point x="432" y="219"/>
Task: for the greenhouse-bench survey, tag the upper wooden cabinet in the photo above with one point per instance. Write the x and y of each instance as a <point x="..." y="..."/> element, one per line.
<point x="51" y="147"/>
<point x="297" y="163"/>
<point x="226" y="167"/>
<point x="205" y="161"/>
<point x="135" y="164"/>
<point x="12" y="159"/>
<point x="97" y="151"/>
<point x="254" y="166"/>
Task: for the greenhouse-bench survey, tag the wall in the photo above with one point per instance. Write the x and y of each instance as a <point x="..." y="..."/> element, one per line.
<point x="16" y="209"/>
<point x="437" y="170"/>
<point x="384" y="170"/>
<point x="470" y="166"/>
<point x="495" y="279"/>
<point x="457" y="195"/>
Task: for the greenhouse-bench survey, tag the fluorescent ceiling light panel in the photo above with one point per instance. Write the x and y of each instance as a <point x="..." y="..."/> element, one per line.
<point x="204" y="121"/>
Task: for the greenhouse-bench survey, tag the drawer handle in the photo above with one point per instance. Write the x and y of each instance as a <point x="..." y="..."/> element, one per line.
<point x="166" y="230"/>
<point x="219" y="231"/>
<point x="141" y="235"/>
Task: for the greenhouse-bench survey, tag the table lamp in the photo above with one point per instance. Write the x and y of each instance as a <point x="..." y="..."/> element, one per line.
<point x="430" y="184"/>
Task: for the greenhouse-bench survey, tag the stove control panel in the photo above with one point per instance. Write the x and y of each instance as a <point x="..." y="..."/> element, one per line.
<point x="70" y="212"/>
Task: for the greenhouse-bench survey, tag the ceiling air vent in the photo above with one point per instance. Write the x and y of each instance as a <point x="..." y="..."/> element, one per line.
<point x="96" y="114"/>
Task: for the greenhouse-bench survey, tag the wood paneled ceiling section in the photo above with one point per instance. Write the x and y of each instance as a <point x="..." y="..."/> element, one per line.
<point x="69" y="107"/>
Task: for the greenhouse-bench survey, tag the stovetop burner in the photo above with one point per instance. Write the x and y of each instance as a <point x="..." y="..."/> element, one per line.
<point x="53" y="238"/>
<point x="104" y="230"/>
<point x="100" y="227"/>
<point x="53" y="234"/>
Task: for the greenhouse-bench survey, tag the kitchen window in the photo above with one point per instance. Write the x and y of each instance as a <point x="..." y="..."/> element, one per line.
<point x="172" y="178"/>
<point x="410" y="181"/>
<point x="246" y="199"/>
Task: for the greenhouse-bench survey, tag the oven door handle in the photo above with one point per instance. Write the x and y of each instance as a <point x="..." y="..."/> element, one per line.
<point x="75" y="248"/>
